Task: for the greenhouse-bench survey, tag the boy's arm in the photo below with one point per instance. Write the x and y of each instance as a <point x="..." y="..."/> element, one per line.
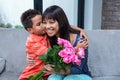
<point x="37" y="49"/>
<point x="82" y="32"/>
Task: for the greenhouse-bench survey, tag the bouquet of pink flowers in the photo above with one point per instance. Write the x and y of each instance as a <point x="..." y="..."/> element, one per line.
<point x="61" y="55"/>
<point x="69" y="54"/>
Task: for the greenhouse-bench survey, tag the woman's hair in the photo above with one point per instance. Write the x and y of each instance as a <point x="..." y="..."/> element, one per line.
<point x="26" y="17"/>
<point x="56" y="13"/>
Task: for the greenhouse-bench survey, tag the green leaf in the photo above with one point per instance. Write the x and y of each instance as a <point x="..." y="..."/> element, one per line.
<point x="31" y="78"/>
<point x="43" y="57"/>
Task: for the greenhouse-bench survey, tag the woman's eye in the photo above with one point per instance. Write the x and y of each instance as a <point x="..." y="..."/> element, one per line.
<point x="52" y="22"/>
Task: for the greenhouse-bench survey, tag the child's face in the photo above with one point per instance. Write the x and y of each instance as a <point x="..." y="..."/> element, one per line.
<point x="37" y="27"/>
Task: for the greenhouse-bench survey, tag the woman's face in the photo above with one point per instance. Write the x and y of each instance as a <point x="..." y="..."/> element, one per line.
<point x="52" y="27"/>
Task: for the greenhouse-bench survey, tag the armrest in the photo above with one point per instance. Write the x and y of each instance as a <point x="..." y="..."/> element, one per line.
<point x="2" y="65"/>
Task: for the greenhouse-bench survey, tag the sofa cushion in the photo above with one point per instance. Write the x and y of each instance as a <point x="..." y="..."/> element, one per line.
<point x="2" y="65"/>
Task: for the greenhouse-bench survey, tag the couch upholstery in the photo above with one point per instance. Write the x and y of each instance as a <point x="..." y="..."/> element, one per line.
<point x="103" y="61"/>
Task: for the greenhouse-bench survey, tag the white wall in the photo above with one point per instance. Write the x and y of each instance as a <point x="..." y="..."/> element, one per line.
<point x="11" y="10"/>
<point x="69" y="6"/>
<point x="93" y="12"/>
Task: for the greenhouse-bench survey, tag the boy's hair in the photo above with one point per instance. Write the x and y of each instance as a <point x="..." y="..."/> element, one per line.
<point x="26" y="17"/>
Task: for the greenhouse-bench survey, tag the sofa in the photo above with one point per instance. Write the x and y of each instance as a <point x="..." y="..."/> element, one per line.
<point x="103" y="58"/>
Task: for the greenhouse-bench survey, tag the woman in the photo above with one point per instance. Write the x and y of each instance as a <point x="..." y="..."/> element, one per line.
<point x="57" y="25"/>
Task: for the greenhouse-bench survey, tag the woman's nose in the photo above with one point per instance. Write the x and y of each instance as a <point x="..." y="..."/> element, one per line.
<point x="47" y="25"/>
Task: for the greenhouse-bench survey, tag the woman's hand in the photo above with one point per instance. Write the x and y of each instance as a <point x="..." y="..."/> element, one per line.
<point x="50" y="70"/>
<point x="49" y="67"/>
<point x="83" y="44"/>
<point x="64" y="72"/>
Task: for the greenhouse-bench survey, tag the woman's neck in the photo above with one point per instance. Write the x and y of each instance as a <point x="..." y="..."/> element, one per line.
<point x="72" y="38"/>
<point x="57" y="35"/>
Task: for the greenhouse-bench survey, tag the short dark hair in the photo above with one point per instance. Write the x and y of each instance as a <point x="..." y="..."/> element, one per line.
<point x="27" y="16"/>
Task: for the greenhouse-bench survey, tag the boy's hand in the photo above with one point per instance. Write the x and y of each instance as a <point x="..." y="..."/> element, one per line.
<point x="30" y="61"/>
<point x="82" y="32"/>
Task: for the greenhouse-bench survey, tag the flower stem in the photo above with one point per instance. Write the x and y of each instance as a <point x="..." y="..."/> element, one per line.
<point x="39" y="76"/>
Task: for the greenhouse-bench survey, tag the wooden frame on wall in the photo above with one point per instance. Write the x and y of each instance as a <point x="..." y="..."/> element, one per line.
<point x="38" y="5"/>
<point x="81" y="4"/>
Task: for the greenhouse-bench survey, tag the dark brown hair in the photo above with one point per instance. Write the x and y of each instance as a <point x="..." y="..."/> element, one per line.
<point x="26" y="17"/>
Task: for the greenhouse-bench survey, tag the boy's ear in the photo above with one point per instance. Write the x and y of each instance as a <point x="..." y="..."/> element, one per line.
<point x="30" y="30"/>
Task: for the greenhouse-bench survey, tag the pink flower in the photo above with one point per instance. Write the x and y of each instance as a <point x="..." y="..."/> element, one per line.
<point x="60" y="41"/>
<point x="69" y="54"/>
<point x="81" y="53"/>
<point x="64" y="42"/>
<point x="62" y="53"/>
<point x="67" y="44"/>
<point x="66" y="60"/>
<point x="77" y="60"/>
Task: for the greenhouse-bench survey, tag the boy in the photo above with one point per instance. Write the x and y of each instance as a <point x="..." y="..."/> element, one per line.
<point x="36" y="44"/>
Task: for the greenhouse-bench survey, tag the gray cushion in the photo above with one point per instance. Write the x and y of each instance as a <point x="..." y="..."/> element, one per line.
<point x="2" y="65"/>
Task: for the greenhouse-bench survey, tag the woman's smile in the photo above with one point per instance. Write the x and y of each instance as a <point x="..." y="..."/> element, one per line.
<point x="50" y="31"/>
